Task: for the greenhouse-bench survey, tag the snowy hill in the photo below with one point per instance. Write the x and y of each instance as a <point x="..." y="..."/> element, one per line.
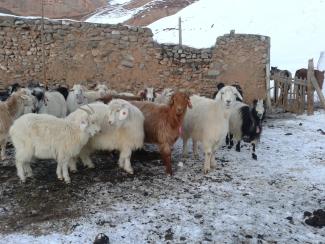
<point x="293" y="25"/>
<point x="137" y="12"/>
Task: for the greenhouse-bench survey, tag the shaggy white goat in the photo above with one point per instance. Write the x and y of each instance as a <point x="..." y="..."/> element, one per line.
<point x="45" y="136"/>
<point x="122" y="131"/>
<point x="208" y="123"/>
<point x="17" y="104"/>
<point x="76" y="98"/>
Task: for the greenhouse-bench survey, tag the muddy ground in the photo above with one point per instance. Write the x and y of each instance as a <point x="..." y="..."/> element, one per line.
<point x="243" y="200"/>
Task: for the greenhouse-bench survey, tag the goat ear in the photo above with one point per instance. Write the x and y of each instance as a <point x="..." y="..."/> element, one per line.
<point x="189" y="104"/>
<point x="218" y="96"/>
<point x="83" y="124"/>
<point x="254" y="102"/>
<point x="171" y="101"/>
<point x="123" y="114"/>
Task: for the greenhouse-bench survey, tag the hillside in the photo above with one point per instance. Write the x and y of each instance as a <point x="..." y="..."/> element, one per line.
<point x="52" y="8"/>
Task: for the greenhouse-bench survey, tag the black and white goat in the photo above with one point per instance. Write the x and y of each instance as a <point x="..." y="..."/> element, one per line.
<point x="245" y="124"/>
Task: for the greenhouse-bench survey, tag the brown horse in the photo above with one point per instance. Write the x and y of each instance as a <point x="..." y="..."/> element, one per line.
<point x="319" y="75"/>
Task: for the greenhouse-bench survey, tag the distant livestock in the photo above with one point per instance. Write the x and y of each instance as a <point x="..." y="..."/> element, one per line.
<point x="319" y="75"/>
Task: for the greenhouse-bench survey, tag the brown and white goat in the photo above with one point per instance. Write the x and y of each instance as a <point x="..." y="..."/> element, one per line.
<point x="162" y="124"/>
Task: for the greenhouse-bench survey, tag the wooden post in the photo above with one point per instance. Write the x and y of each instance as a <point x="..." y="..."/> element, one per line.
<point x="43" y="48"/>
<point x="180" y="31"/>
<point x="268" y="86"/>
<point x="310" y="91"/>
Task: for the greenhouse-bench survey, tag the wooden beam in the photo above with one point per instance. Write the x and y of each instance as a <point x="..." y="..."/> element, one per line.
<point x="310" y="91"/>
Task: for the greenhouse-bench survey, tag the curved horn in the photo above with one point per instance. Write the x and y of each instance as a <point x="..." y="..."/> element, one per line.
<point x="91" y="109"/>
<point x="86" y="110"/>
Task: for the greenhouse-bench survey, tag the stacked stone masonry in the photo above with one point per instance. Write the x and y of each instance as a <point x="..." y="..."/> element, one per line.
<point x="127" y="58"/>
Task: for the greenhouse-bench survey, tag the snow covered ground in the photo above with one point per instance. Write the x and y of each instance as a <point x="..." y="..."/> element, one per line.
<point x="243" y="200"/>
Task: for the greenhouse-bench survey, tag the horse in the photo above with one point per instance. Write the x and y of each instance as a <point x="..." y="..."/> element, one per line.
<point x="281" y="73"/>
<point x="319" y="75"/>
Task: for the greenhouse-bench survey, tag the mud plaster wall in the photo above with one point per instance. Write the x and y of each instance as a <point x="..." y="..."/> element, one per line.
<point x="127" y="58"/>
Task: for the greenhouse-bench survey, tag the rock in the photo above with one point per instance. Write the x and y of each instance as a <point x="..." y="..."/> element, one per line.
<point x="101" y="239"/>
<point x="127" y="63"/>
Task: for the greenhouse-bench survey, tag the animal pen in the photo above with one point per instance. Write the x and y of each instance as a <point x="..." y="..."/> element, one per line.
<point x="293" y="94"/>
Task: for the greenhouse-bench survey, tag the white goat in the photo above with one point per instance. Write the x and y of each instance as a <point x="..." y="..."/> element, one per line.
<point x="17" y="104"/>
<point x="208" y="123"/>
<point x="76" y="98"/>
<point x="99" y="92"/>
<point x="122" y="131"/>
<point x="165" y="96"/>
<point x="45" y="136"/>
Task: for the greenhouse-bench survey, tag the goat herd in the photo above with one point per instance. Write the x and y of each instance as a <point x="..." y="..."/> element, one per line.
<point x="67" y="124"/>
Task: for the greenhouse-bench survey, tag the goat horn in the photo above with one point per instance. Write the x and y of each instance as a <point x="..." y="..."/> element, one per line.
<point x="86" y="110"/>
<point x="91" y="109"/>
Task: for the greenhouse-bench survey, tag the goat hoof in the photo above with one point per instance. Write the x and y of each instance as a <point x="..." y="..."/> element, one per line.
<point x="129" y="171"/>
<point x="91" y="166"/>
<point x="237" y="149"/>
<point x="254" y="156"/>
<point x="67" y="181"/>
<point x="206" y="171"/>
<point x="60" y="178"/>
<point x="73" y="171"/>
<point x="229" y="147"/>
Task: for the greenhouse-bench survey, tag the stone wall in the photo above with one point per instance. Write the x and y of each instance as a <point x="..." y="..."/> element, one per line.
<point x="127" y="58"/>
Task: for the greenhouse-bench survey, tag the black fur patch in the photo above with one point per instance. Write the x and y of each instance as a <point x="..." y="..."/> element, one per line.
<point x="64" y="91"/>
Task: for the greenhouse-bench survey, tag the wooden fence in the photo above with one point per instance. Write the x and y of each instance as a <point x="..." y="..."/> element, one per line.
<point x="295" y="95"/>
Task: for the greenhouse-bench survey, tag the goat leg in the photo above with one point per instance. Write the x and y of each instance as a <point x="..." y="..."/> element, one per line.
<point x="165" y="152"/>
<point x="238" y="146"/>
<point x="253" y="153"/>
<point x="231" y="141"/>
<point x="3" y="150"/>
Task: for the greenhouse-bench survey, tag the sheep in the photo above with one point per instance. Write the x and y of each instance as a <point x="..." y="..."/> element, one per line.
<point x="164" y="97"/>
<point x="11" y="109"/>
<point x="45" y="136"/>
<point x="50" y="102"/>
<point x="246" y="124"/>
<point x="76" y="98"/>
<point x="121" y="129"/>
<point x="162" y="124"/>
<point x="208" y="123"/>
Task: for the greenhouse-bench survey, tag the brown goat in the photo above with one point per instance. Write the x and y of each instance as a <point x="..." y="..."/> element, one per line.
<point x="162" y="123"/>
<point x="319" y="75"/>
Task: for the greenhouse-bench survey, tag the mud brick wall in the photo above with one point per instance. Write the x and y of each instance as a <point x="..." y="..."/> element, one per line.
<point x="127" y="58"/>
